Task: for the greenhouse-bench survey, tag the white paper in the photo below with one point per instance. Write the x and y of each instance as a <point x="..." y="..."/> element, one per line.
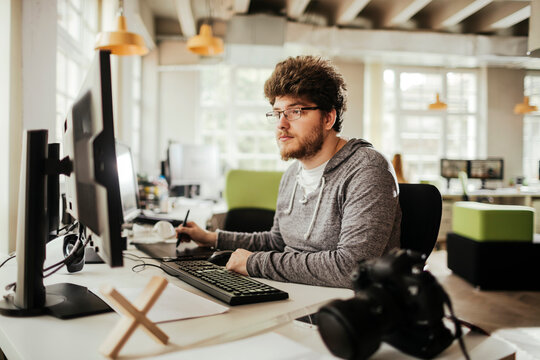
<point x="269" y="346"/>
<point x="173" y="304"/>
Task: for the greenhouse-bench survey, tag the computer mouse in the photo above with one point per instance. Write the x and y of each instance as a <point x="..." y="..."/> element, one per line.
<point x="220" y="257"/>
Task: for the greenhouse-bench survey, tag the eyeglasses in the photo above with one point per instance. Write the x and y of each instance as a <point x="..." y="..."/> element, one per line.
<point x="290" y="114"/>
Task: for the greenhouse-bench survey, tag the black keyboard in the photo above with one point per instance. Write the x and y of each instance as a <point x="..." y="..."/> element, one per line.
<point x="225" y="285"/>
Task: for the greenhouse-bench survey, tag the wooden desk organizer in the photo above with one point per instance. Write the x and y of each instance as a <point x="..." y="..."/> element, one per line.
<point x="134" y="315"/>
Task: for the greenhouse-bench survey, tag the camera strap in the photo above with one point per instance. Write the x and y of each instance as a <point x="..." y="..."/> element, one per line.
<point x="458" y="334"/>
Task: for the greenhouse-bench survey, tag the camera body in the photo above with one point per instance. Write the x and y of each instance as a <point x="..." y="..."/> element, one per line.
<point x="395" y="301"/>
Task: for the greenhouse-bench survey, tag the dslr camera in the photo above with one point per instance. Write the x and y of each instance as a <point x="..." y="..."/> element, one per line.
<point x="395" y="301"/>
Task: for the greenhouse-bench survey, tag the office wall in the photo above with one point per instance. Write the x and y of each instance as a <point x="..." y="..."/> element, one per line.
<point x="178" y="105"/>
<point x="5" y="116"/>
<point x="353" y="73"/>
<point x="10" y="119"/>
<point x="504" y="128"/>
<point x="149" y="141"/>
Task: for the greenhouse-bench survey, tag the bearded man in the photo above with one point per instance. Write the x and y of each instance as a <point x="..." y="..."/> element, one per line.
<point x="337" y="204"/>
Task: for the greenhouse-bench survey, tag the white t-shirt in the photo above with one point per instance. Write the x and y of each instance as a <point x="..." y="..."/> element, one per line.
<point x="309" y="179"/>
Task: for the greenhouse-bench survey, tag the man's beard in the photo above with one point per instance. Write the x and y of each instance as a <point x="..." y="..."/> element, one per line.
<point x="308" y="146"/>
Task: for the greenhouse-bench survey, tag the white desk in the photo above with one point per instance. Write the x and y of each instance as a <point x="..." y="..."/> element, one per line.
<point x="47" y="337"/>
<point x="31" y="338"/>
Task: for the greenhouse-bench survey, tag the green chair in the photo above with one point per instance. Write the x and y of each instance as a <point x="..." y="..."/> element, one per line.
<point x="251" y="198"/>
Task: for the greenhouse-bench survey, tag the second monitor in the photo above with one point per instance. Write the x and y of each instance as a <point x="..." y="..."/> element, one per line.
<point x="192" y="166"/>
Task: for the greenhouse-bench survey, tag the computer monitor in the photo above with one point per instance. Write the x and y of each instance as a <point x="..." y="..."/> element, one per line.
<point x="450" y="168"/>
<point x="486" y="169"/>
<point x="129" y="191"/>
<point x="192" y="164"/>
<point x="93" y="190"/>
<point x="93" y="199"/>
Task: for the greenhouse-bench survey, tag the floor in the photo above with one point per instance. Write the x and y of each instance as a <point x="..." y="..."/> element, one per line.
<point x="509" y="314"/>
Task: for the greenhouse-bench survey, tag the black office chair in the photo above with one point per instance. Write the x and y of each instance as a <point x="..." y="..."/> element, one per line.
<point x="421" y="208"/>
<point x="249" y="220"/>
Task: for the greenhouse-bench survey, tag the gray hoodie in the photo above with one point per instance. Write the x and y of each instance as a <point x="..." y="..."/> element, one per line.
<point x="353" y="214"/>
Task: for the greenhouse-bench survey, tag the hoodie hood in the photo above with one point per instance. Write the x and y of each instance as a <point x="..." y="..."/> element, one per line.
<point x="345" y="153"/>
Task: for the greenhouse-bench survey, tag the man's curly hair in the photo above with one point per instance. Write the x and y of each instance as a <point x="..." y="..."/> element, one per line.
<point x="311" y="78"/>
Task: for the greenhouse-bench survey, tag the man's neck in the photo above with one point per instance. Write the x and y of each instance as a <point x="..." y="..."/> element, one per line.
<point x="330" y="147"/>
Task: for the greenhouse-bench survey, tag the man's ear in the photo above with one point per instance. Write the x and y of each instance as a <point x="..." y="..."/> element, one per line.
<point x="330" y="119"/>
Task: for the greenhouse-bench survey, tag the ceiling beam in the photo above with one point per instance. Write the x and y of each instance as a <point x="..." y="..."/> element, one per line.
<point x="241" y="6"/>
<point x="295" y="8"/>
<point x="402" y="11"/>
<point x="499" y="16"/>
<point x="453" y="12"/>
<point x="349" y="10"/>
<point x="186" y="18"/>
<point x="513" y="17"/>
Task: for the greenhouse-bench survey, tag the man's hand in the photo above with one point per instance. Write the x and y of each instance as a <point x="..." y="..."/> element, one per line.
<point x="238" y="260"/>
<point x="193" y="232"/>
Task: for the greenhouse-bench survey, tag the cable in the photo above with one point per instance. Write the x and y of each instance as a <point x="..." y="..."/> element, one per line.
<point x="144" y="265"/>
<point x="71" y="255"/>
<point x="5" y="261"/>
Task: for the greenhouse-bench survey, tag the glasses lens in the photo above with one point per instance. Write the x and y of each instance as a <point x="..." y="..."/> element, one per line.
<point x="272" y="116"/>
<point x="293" y="114"/>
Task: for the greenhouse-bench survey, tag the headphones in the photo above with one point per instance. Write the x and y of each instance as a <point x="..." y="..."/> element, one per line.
<point x="76" y="262"/>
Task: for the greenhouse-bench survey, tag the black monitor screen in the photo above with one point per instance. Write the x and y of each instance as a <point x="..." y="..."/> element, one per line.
<point x="128" y="182"/>
<point x="92" y="191"/>
<point x="452" y="168"/>
<point x="489" y="169"/>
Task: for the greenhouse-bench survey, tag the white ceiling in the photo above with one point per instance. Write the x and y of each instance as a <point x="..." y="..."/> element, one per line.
<point x="482" y="19"/>
<point x="508" y="17"/>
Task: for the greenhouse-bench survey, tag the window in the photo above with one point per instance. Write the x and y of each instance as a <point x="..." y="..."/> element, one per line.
<point x="136" y="109"/>
<point x="232" y="116"/>
<point x="531" y="130"/>
<point x="77" y="30"/>
<point x="425" y="136"/>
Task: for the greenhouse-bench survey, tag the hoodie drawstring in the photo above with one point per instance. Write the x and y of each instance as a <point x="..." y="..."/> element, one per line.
<point x="288" y="211"/>
<point x="306" y="235"/>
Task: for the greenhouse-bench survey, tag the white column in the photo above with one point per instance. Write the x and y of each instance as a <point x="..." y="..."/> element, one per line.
<point x="504" y="128"/>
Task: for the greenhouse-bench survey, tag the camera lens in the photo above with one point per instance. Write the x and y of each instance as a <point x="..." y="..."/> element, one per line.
<point x="351" y="329"/>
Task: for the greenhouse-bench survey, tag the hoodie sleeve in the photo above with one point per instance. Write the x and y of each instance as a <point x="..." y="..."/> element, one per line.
<point x="258" y="241"/>
<point x="369" y="209"/>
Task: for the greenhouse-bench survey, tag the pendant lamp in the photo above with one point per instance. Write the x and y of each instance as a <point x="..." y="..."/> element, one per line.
<point x="524" y="107"/>
<point x="438" y="104"/>
<point x="205" y="43"/>
<point x="121" y="41"/>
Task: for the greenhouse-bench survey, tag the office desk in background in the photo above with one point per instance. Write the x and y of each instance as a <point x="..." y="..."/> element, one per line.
<point x="506" y="196"/>
<point x="48" y="337"/>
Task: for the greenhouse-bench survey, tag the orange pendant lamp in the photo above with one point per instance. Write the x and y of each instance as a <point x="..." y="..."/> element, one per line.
<point x="121" y="41"/>
<point x="524" y="107"/>
<point x="205" y="43"/>
<point x="438" y="104"/>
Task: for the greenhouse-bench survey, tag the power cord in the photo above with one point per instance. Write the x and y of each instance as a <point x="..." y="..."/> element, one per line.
<point x="11" y="256"/>
<point x="78" y="244"/>
<point x="55" y="267"/>
<point x="143" y="264"/>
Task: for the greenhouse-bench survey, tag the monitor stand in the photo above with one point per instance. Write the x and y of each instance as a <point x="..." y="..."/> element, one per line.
<point x="64" y="301"/>
<point x="31" y="297"/>
<point x="91" y="256"/>
<point x="483" y="186"/>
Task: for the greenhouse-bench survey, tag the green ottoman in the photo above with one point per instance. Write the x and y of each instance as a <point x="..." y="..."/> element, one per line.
<point x="490" y="222"/>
